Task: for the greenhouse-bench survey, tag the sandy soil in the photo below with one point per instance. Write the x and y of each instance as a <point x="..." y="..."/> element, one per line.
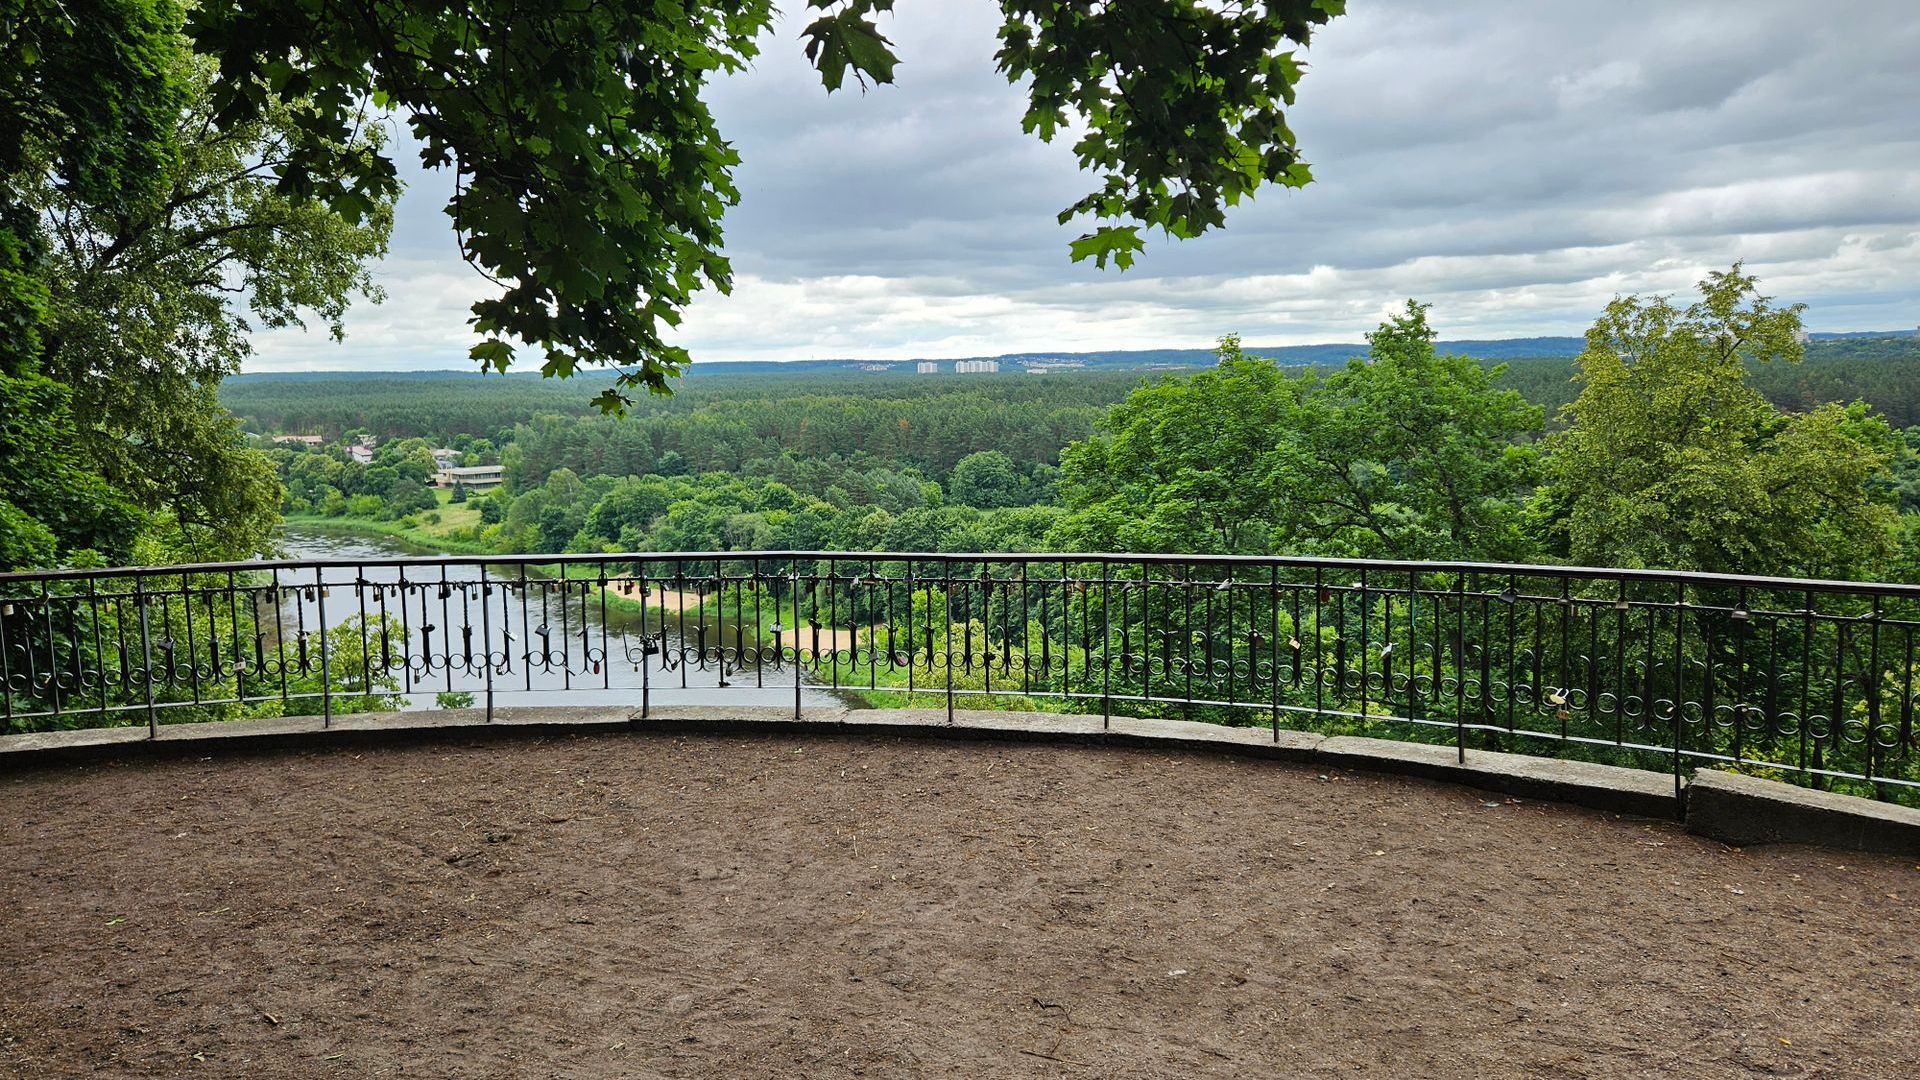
<point x="640" y="906"/>
<point x="672" y="602"/>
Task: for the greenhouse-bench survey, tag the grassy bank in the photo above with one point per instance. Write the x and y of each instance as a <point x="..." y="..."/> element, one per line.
<point x="451" y="529"/>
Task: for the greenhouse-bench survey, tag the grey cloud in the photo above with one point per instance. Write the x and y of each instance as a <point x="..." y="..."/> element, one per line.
<point x="1516" y="163"/>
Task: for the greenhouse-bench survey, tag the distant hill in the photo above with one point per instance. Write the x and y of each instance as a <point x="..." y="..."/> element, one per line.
<point x="1496" y="349"/>
<point x="1010" y="363"/>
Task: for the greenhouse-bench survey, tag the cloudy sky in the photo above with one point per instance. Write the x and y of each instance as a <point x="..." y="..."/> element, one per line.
<point x="1513" y="162"/>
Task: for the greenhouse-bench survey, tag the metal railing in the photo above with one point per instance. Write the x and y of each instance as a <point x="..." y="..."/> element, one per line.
<point x="1814" y="679"/>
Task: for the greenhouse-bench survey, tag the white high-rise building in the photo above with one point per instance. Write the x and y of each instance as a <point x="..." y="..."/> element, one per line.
<point x="927" y="367"/>
<point x="975" y="367"/>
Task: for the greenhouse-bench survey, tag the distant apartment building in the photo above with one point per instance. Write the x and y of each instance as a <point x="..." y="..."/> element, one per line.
<point x="975" y="367"/>
<point x="927" y="367"/>
<point x="1800" y="337"/>
<point x="475" y="477"/>
<point x="313" y="442"/>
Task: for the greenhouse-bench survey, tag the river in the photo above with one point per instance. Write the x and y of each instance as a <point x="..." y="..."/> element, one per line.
<point x="580" y="659"/>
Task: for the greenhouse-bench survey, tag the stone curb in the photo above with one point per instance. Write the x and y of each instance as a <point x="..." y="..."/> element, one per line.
<point x="1741" y="810"/>
<point x="1723" y="806"/>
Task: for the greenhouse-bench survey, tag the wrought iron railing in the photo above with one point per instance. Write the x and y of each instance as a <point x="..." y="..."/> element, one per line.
<point x="1811" y="678"/>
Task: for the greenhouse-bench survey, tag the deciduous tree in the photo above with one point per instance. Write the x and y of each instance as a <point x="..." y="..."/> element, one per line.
<point x="1671" y="459"/>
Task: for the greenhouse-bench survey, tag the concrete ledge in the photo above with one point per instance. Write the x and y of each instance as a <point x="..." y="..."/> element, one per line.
<point x="303" y="732"/>
<point x="1012" y="726"/>
<point x="1583" y="783"/>
<point x="1603" y="787"/>
<point x="1724" y="806"/>
<point x="1743" y="810"/>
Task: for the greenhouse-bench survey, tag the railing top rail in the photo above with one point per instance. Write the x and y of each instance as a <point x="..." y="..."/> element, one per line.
<point x="1584" y="573"/>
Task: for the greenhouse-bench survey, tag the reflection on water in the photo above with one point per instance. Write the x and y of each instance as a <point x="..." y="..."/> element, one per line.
<point x="534" y="646"/>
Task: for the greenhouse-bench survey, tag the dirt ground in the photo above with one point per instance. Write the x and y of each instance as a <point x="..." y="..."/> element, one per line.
<point x="640" y="906"/>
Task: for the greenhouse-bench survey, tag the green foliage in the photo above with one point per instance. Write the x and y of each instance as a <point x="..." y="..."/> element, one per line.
<point x="1404" y="453"/>
<point x="138" y="238"/>
<point x="52" y="500"/>
<point x="986" y="479"/>
<point x="353" y="676"/>
<point x="592" y="179"/>
<point x="1672" y="459"/>
<point x="1407" y="453"/>
<point x="1183" y="463"/>
<point x="89" y="95"/>
<point x="1179" y="105"/>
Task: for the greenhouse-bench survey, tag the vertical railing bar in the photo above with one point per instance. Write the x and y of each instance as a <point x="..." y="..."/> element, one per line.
<point x="380" y="590"/>
<point x="1460" y="674"/>
<point x="1742" y="615"/>
<point x="445" y="590"/>
<point x="233" y="637"/>
<point x="1679" y="684"/>
<point x="796" y="639"/>
<point x="526" y="628"/>
<point x="1415" y="704"/>
<point x="759" y="627"/>
<point x="1871" y="743"/>
<point x="280" y="633"/>
<point x="1273" y="648"/>
<point x="1838" y="710"/>
<point x="1366" y="645"/>
<point x="1106" y="641"/>
<point x="1806" y="675"/>
<point x="486" y="636"/>
<point x="166" y="634"/>
<point x="1186" y="633"/>
<point x="911" y="664"/>
<point x="7" y="609"/>
<point x="566" y="625"/>
<point x="1563" y="710"/>
<point x="1319" y="643"/>
<point x="326" y="666"/>
<point x="947" y="604"/>
<point x="193" y="649"/>
<point x="146" y="653"/>
<point x="1229" y="625"/>
<point x="1622" y="604"/>
<point x="99" y="655"/>
<point x="1513" y="642"/>
<point x="833" y="623"/>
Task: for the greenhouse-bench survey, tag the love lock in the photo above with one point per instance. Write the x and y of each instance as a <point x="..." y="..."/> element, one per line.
<point x="1559" y="701"/>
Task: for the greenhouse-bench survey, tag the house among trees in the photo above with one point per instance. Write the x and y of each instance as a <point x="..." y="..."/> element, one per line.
<point x="471" y="477"/>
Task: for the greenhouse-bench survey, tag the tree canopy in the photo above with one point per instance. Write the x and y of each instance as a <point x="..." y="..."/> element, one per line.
<point x="148" y="254"/>
<point x="1402" y="453"/>
<point x="592" y="179"/>
<point x="1672" y="459"/>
